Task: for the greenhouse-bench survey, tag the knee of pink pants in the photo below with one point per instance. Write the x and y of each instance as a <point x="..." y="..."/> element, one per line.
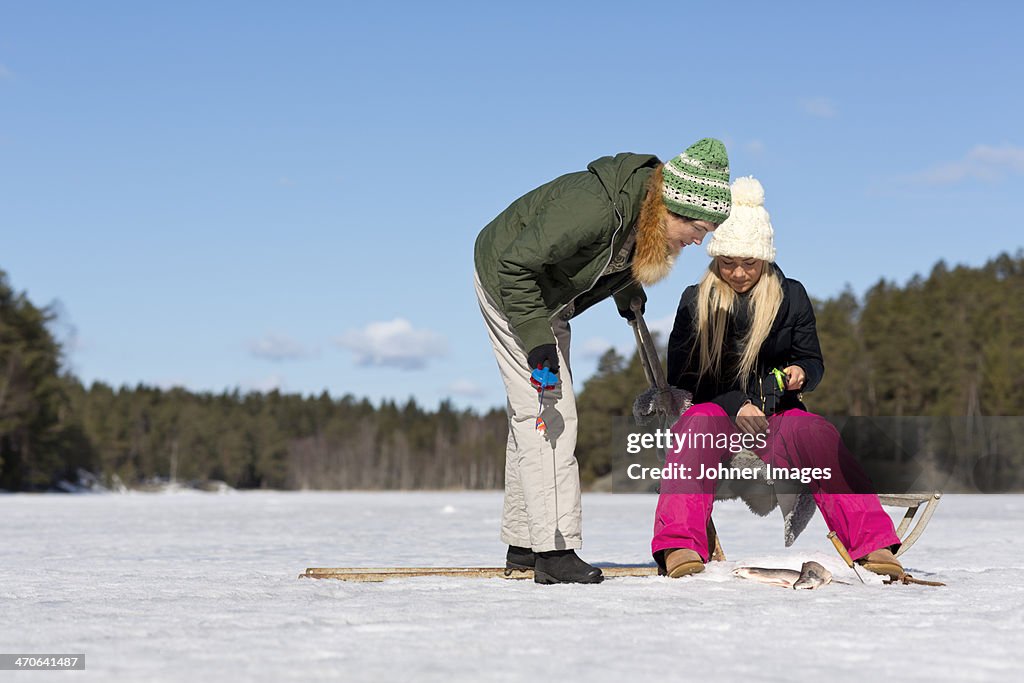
<point x="685" y="505"/>
<point x="693" y="450"/>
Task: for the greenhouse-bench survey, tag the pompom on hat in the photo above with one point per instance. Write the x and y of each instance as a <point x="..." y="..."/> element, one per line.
<point x="747" y="233"/>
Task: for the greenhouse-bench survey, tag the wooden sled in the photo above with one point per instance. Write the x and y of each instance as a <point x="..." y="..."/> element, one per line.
<point x="910" y="530"/>
<point x="375" y="574"/>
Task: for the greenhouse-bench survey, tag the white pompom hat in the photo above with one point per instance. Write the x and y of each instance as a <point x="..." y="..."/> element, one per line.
<point x="747" y="232"/>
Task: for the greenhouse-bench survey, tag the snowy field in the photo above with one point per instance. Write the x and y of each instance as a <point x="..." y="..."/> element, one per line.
<point x="200" y="587"/>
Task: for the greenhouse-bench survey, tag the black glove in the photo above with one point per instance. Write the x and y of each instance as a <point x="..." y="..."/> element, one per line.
<point x="767" y="394"/>
<point x="545" y="354"/>
<point x="628" y="313"/>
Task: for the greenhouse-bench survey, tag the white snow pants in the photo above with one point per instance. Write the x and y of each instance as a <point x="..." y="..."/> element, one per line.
<point x="542" y="480"/>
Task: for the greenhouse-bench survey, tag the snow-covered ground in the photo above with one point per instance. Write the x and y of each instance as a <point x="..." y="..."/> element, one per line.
<point x="203" y="587"/>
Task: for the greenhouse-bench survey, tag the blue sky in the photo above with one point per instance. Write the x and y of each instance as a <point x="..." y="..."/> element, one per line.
<point x="264" y="195"/>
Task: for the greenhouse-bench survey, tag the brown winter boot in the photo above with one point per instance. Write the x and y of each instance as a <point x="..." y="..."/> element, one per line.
<point x="682" y="562"/>
<point x="883" y="562"/>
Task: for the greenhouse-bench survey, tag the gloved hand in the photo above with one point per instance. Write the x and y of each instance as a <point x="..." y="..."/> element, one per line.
<point x="767" y="394"/>
<point x="628" y="313"/>
<point x="545" y="354"/>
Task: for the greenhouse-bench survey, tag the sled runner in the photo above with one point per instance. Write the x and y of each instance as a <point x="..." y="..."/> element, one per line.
<point x="375" y="574"/>
<point x="912" y="502"/>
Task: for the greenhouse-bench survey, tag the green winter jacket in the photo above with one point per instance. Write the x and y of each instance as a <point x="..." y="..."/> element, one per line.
<point x="545" y="254"/>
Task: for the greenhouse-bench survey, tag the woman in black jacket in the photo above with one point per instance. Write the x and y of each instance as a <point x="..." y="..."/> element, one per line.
<point x="744" y="344"/>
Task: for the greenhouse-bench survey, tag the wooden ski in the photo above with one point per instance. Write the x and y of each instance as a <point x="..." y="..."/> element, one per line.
<point x="374" y="574"/>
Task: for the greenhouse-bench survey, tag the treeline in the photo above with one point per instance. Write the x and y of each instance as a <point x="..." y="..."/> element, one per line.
<point x="286" y="441"/>
<point x="946" y="345"/>
<point x="255" y="440"/>
<point x="51" y="426"/>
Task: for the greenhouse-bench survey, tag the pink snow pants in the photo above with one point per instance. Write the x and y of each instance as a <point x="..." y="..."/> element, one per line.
<point x="795" y="439"/>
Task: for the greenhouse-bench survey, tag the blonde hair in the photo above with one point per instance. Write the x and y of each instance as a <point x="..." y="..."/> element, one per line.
<point x="715" y="301"/>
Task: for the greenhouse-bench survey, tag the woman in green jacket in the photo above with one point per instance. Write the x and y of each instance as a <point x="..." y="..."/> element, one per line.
<point x="554" y="252"/>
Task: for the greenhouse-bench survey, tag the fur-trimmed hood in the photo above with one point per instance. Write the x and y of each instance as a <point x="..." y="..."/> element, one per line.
<point x="652" y="260"/>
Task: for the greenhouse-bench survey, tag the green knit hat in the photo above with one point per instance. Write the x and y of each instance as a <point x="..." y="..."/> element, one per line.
<point x="697" y="182"/>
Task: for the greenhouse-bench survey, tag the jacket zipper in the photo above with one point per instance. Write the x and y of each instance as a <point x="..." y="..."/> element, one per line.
<point x="611" y="255"/>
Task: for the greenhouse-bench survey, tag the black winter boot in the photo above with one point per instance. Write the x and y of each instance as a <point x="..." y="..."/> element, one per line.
<point x="520" y="558"/>
<point x="563" y="566"/>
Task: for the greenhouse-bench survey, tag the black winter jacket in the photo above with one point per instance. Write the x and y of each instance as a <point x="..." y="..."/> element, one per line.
<point x="793" y="340"/>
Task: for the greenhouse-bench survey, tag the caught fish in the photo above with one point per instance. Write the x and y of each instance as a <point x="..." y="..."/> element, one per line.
<point x="773" y="577"/>
<point x="811" y="575"/>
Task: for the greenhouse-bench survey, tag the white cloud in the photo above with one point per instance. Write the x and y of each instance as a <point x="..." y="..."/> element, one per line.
<point x="5" y="72"/>
<point x="819" y="107"/>
<point x="662" y="326"/>
<point x="285" y="181"/>
<point x="277" y="347"/>
<point x="986" y="163"/>
<point x="755" y="147"/>
<point x="464" y="387"/>
<point x="393" y="343"/>
<point x="594" y="348"/>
